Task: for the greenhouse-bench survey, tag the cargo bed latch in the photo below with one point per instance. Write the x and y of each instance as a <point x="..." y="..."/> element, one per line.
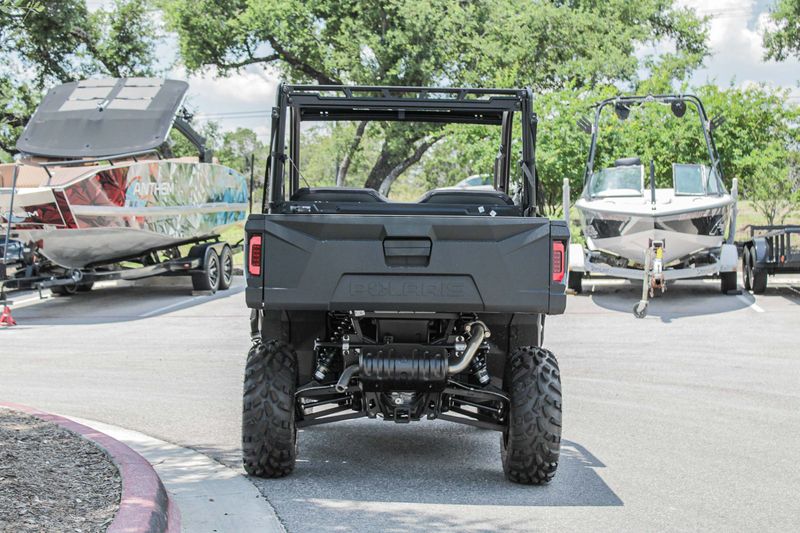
<point x="407" y="252"/>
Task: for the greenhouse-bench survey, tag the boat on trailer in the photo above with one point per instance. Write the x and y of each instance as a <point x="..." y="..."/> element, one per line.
<point x="96" y="185"/>
<point x="636" y="230"/>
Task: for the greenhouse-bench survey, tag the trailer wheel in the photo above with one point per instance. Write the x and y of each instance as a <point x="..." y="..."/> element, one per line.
<point x="575" y="282"/>
<point x="226" y="268"/>
<point x="65" y="290"/>
<point x="759" y="279"/>
<point x="269" y="434"/>
<point x="727" y="281"/>
<point x="209" y="278"/>
<point x="85" y="287"/>
<point x="530" y="445"/>
<point x="747" y="269"/>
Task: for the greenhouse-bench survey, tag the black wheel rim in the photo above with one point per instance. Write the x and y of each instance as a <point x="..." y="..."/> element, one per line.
<point x="213" y="271"/>
<point x="227" y="268"/>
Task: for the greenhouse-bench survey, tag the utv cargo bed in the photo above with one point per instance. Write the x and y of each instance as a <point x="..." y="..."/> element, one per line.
<point x="402" y="263"/>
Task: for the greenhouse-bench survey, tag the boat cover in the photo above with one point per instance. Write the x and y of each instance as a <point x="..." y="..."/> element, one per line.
<point x="103" y="117"/>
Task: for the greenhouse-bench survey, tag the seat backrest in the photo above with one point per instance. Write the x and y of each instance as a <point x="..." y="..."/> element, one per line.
<point x="628" y="162"/>
<point x="337" y="194"/>
<point x="466" y="197"/>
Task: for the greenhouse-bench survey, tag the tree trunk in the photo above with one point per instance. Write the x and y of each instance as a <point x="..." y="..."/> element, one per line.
<point x="393" y="174"/>
<point x="383" y="165"/>
<point x="341" y="173"/>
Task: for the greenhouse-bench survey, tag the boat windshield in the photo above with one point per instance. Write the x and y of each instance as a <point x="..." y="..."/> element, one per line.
<point x="695" y="180"/>
<point x="618" y="181"/>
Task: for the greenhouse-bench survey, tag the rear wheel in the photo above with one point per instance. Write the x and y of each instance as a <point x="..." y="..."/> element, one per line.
<point x="530" y="445"/>
<point x="727" y="281"/>
<point x="226" y="268"/>
<point x="575" y="282"/>
<point x="208" y="279"/>
<point x="269" y="435"/>
<point x="759" y="275"/>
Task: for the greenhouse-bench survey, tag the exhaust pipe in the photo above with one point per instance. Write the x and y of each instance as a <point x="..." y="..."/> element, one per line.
<point x="478" y="332"/>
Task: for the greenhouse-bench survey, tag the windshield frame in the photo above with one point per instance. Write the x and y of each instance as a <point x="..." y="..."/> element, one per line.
<point x="591" y="182"/>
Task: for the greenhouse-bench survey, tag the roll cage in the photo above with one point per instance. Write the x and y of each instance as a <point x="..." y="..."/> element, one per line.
<point x="306" y="103"/>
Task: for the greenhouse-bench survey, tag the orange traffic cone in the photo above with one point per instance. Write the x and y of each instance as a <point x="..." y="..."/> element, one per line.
<point x="6" y="319"/>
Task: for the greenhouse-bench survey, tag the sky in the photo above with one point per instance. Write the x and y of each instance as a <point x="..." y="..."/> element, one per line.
<point x="243" y="99"/>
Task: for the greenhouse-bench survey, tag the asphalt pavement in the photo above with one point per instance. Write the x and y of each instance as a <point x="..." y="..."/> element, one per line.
<point x="686" y="420"/>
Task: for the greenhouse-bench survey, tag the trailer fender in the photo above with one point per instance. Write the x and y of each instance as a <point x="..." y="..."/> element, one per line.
<point x="577" y="258"/>
<point x="728" y="258"/>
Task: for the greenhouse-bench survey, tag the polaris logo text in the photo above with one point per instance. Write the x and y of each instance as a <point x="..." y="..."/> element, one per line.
<point x="433" y="289"/>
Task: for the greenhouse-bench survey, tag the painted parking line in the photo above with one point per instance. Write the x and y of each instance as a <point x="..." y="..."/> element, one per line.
<point x="185" y="301"/>
<point x="168" y="307"/>
<point x="752" y="305"/>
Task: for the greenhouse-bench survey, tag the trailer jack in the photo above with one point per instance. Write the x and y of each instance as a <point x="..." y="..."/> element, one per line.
<point x="653" y="278"/>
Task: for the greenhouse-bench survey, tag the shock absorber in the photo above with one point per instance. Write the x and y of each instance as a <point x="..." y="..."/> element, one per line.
<point x="324" y="359"/>
<point x="479" y="369"/>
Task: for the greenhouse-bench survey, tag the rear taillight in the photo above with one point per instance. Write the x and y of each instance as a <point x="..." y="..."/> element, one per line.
<point x="559" y="268"/>
<point x="254" y="255"/>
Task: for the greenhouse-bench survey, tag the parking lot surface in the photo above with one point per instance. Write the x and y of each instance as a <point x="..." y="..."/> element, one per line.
<point x="688" y="419"/>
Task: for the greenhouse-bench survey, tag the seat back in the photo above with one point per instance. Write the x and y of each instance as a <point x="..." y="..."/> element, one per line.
<point x="466" y="197"/>
<point x="337" y="194"/>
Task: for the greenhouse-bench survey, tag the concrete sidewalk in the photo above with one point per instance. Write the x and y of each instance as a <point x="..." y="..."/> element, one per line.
<point x="211" y="497"/>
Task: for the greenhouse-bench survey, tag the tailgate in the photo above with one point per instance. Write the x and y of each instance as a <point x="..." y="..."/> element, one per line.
<point x="405" y="263"/>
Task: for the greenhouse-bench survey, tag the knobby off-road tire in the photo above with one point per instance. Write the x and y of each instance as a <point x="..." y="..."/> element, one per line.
<point x="531" y="443"/>
<point x="269" y="435"/>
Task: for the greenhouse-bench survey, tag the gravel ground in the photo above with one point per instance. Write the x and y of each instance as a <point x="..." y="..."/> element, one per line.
<point x="52" y="479"/>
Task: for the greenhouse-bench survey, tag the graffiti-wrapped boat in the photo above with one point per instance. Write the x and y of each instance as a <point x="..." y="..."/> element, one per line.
<point x="96" y="185"/>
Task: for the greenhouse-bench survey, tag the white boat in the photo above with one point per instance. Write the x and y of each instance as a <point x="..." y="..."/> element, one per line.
<point x="637" y="231"/>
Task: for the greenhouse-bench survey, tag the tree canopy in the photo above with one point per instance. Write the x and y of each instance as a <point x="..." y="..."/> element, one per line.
<point x="56" y="41"/>
<point x="782" y="39"/>
<point x="549" y="45"/>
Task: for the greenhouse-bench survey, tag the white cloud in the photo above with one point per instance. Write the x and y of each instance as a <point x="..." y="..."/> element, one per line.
<point x="735" y="38"/>
<point x="242" y="99"/>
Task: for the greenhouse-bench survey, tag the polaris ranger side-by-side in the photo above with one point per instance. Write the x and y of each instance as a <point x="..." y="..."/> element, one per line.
<point x="366" y="306"/>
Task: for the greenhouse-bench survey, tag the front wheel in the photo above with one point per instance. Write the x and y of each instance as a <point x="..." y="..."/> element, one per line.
<point x="531" y="444"/>
<point x="269" y="434"/>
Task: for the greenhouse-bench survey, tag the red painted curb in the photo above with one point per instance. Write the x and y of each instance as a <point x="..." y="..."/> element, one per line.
<point x="145" y="506"/>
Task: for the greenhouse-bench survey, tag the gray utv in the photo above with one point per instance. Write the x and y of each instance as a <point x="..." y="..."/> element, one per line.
<point x="369" y="307"/>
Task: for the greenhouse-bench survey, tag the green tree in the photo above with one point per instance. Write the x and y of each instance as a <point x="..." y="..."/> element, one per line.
<point x="44" y="42"/>
<point x="549" y="45"/>
<point x="783" y="38"/>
